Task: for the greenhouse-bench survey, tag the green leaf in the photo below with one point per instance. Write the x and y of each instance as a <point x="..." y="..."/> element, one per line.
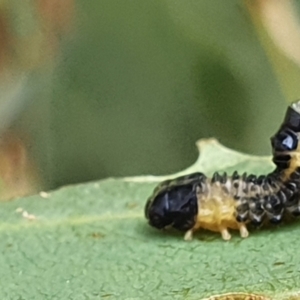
<point x="91" y="241"/>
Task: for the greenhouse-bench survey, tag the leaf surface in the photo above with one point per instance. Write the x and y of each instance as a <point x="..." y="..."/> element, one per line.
<point x="91" y="241"/>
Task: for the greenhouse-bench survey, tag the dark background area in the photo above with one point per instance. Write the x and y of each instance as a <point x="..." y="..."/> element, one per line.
<point x="133" y="84"/>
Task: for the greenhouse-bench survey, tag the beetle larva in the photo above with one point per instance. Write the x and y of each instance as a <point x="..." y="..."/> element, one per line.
<point x="225" y="202"/>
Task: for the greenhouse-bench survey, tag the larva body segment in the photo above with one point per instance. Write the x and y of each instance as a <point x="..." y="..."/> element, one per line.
<point x="226" y="202"/>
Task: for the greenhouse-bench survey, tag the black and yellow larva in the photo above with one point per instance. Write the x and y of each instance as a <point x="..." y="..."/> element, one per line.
<point x="224" y="202"/>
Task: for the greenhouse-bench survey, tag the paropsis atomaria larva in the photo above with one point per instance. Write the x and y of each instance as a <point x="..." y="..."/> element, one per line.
<point x="225" y="202"/>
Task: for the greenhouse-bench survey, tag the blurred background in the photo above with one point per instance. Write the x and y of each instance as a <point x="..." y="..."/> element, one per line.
<point x="94" y="89"/>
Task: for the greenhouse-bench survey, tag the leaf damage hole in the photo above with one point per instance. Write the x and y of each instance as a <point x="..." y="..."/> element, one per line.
<point x="294" y="297"/>
<point x="238" y="296"/>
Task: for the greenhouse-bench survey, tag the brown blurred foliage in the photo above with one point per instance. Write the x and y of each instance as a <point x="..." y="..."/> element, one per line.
<point x="25" y="50"/>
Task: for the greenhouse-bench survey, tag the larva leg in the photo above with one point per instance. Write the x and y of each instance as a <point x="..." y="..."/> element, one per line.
<point x="225" y="234"/>
<point x="188" y="235"/>
<point x="243" y="230"/>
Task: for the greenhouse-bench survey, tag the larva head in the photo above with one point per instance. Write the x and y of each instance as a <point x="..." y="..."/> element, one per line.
<point x="173" y="206"/>
<point x="287" y="137"/>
